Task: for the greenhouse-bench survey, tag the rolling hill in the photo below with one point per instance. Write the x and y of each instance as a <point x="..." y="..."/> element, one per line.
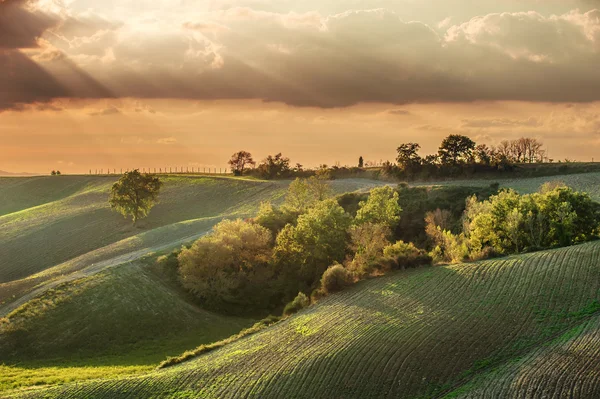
<point x="448" y="331"/>
<point x="85" y="300"/>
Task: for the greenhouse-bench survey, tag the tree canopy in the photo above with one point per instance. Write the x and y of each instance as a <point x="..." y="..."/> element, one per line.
<point x="134" y="194"/>
<point x="380" y="208"/>
<point x="456" y="149"/>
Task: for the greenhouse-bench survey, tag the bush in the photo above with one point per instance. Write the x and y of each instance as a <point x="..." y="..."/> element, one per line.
<point x="300" y="302"/>
<point x="406" y="255"/>
<point x="335" y="279"/>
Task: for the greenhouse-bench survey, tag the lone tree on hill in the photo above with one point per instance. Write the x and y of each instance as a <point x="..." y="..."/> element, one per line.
<point x="135" y="194"/>
<point x="239" y="161"/>
<point x="361" y="162"/>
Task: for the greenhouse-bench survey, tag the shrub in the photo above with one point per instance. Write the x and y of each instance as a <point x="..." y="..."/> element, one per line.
<point x="335" y="279"/>
<point x="300" y="302"/>
<point x="406" y="255"/>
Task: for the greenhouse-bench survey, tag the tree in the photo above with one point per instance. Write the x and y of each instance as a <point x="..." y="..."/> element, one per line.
<point x="483" y="154"/>
<point x="230" y="266"/>
<point x="58" y="173"/>
<point x="53" y="173"/>
<point x="304" y="251"/>
<point x="305" y="193"/>
<point x="361" y="162"/>
<point x="274" y="167"/>
<point x="408" y="155"/>
<point x="367" y="241"/>
<point x="456" y="149"/>
<point x="239" y="161"/>
<point x="380" y="208"/>
<point x="134" y="194"/>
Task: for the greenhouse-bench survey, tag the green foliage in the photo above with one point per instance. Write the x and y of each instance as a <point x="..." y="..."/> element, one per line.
<point x="511" y="223"/>
<point x="367" y="242"/>
<point x="135" y="194"/>
<point x="275" y="218"/>
<point x="230" y="266"/>
<point x="335" y="279"/>
<point x="406" y="255"/>
<point x="303" y="252"/>
<point x="300" y="302"/>
<point x="305" y="193"/>
<point x="380" y="208"/>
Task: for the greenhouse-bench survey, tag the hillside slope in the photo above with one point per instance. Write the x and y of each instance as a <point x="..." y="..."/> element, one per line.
<point x="118" y="322"/>
<point x="414" y="334"/>
<point x="77" y="219"/>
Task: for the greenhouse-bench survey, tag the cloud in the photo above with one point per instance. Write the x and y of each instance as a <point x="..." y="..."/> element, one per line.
<point x="19" y="27"/>
<point x="310" y="59"/>
<point x="166" y="140"/>
<point x="500" y="123"/>
<point x="111" y="110"/>
<point x="398" y="112"/>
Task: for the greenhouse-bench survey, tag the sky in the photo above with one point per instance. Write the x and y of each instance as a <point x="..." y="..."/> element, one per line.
<point x="89" y="84"/>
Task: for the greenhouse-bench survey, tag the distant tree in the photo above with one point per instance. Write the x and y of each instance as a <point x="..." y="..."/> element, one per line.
<point x="53" y="173"/>
<point x="483" y="154"/>
<point x="239" y="161"/>
<point x="274" y="166"/>
<point x="58" y="173"/>
<point x="408" y="155"/>
<point x="134" y="194"/>
<point x="456" y="149"/>
<point x="361" y="162"/>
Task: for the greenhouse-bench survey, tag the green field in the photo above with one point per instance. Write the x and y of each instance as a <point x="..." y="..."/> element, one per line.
<point x="423" y="333"/>
<point x="85" y="300"/>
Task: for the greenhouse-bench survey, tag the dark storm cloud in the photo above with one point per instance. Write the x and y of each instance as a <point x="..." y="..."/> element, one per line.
<point x="19" y="27"/>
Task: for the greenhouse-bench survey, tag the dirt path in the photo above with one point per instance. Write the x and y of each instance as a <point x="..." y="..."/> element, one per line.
<point x="92" y="269"/>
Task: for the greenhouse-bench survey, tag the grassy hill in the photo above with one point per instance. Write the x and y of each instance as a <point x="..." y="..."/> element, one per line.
<point x="433" y="332"/>
<point x="76" y="217"/>
<point x="121" y="321"/>
<point x="86" y="300"/>
<point x="587" y="182"/>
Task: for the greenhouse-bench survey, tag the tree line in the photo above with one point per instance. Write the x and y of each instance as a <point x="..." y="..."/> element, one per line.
<point x="457" y="155"/>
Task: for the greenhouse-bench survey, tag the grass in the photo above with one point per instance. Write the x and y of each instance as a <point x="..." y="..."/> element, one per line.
<point x="72" y="225"/>
<point x="414" y="334"/>
<point x="421" y="333"/>
<point x="586" y="182"/>
<point x="123" y="321"/>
